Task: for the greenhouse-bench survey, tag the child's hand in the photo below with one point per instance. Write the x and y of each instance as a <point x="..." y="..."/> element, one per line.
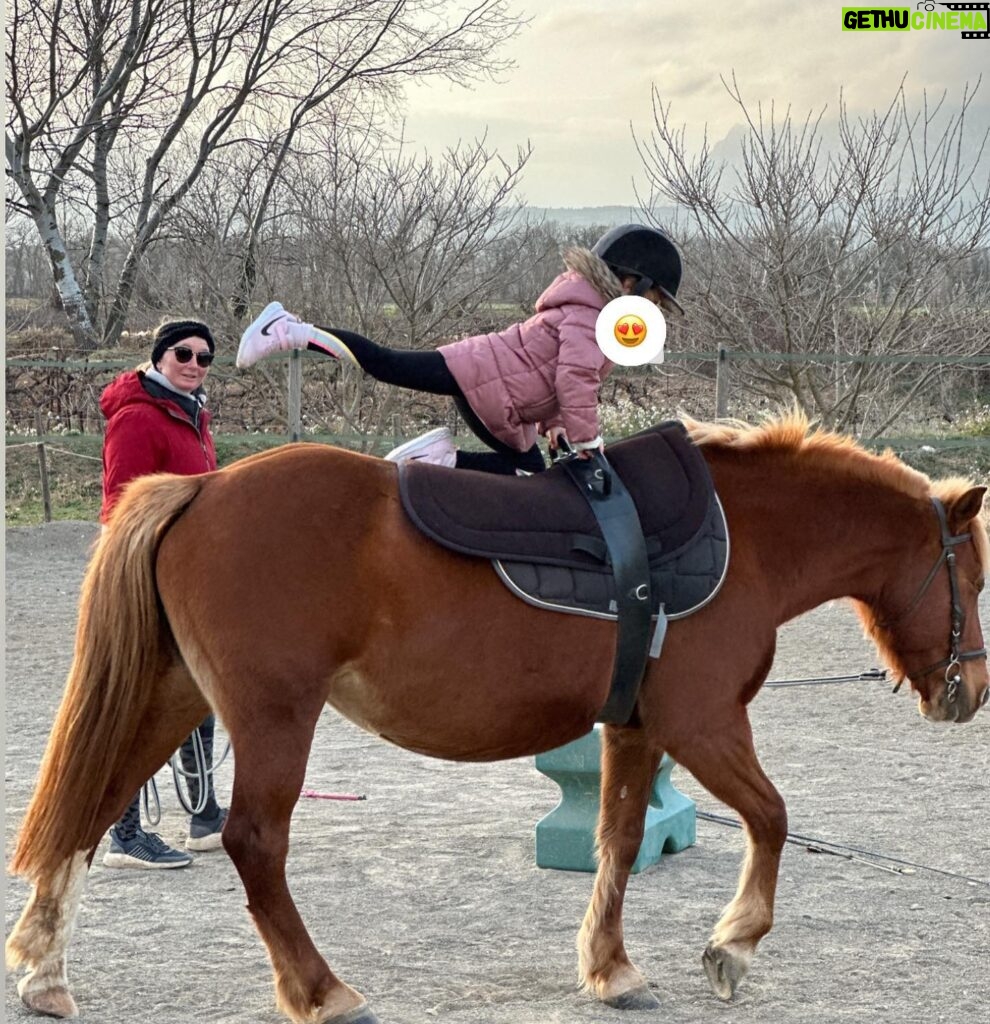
<point x="553" y="435"/>
<point x="586" y="449"/>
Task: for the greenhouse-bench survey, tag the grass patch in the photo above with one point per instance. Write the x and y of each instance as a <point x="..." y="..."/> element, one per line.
<point x="74" y="479"/>
<point x="75" y="470"/>
<point x="75" y="467"/>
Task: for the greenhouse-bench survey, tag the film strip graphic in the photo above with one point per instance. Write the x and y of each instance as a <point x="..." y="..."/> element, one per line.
<point x="984" y="7"/>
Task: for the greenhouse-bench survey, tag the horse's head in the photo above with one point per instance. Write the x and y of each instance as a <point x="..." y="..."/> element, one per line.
<point x="926" y="620"/>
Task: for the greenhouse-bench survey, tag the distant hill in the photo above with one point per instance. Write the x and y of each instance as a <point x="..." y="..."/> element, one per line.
<point x="591" y="216"/>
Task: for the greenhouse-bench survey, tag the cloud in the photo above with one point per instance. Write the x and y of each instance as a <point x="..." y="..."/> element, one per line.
<point x="586" y="70"/>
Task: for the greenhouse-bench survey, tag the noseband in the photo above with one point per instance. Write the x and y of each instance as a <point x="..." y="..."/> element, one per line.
<point x="953" y="663"/>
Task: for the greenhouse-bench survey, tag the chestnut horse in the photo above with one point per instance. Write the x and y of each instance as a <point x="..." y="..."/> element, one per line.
<point x="293" y="578"/>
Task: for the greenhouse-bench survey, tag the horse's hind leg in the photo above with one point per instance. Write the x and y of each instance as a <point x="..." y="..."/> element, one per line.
<point x="724" y="761"/>
<point x="270" y="763"/>
<point x="629" y="765"/>
<point x="41" y="936"/>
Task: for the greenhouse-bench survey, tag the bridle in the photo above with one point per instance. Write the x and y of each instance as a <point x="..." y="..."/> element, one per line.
<point x="953" y="663"/>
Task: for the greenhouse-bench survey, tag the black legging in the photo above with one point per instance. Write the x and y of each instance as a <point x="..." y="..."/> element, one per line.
<point x="427" y="371"/>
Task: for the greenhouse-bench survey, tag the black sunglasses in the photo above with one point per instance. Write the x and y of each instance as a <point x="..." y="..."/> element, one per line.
<point x="184" y="355"/>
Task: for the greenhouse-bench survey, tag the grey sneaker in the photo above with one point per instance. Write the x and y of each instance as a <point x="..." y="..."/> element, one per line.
<point x="146" y="850"/>
<point x="205" y="833"/>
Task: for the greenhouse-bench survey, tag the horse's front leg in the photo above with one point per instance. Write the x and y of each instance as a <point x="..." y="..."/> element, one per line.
<point x="724" y="762"/>
<point x="628" y="767"/>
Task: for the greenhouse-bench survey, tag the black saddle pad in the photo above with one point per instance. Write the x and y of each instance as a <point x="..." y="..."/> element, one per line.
<point x="544" y="519"/>
<point x="681" y="582"/>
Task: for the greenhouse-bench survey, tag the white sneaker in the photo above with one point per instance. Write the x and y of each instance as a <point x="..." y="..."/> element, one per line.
<point x="435" y="446"/>
<point x="267" y="334"/>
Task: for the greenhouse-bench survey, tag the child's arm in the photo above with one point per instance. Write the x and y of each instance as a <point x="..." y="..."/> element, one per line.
<point x="581" y="367"/>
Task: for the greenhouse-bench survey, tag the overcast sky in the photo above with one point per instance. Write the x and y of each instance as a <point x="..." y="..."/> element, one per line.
<point x="584" y="71"/>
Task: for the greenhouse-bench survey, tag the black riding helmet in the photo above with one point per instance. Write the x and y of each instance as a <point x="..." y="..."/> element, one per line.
<point x="645" y="252"/>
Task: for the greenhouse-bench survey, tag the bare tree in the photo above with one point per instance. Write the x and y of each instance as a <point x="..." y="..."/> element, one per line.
<point x="358" y="55"/>
<point x="832" y="249"/>
<point x="405" y="249"/>
<point x="116" y="107"/>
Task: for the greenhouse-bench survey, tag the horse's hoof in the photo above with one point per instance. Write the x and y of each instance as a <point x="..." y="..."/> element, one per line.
<point x="725" y="970"/>
<point x="640" y="998"/>
<point x="55" y="1001"/>
<point x="359" y="1015"/>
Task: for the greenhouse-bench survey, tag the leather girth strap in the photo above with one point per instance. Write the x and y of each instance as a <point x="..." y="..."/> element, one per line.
<point x="619" y="522"/>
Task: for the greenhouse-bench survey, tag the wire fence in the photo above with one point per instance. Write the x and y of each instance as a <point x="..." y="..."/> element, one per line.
<point x="54" y="425"/>
<point x="899" y="391"/>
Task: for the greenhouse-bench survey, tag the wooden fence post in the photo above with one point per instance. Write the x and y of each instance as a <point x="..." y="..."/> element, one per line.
<point x="43" y="466"/>
<point x="722" y="383"/>
<point x="295" y="395"/>
<point x="46" y="495"/>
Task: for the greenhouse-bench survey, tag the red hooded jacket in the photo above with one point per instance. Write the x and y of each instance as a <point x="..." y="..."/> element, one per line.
<point x="148" y="435"/>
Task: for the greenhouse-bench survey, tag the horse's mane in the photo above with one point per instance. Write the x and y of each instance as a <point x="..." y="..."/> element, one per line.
<point x="792" y="432"/>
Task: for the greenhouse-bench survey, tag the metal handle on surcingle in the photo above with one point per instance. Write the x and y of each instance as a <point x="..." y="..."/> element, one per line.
<point x="562" y="451"/>
<point x="596" y="472"/>
<point x="603" y="473"/>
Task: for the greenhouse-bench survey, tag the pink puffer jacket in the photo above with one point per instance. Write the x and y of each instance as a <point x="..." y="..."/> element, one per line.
<point x="545" y="371"/>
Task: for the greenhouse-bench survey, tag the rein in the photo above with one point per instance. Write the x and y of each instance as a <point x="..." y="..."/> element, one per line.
<point x="953" y="663"/>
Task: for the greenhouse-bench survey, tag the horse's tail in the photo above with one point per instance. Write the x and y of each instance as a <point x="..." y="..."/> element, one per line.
<point x="123" y="643"/>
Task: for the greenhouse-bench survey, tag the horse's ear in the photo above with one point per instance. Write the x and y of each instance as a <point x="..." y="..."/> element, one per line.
<point x="966" y="507"/>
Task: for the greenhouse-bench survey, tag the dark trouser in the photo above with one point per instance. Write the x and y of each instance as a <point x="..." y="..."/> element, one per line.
<point x="427" y="371"/>
<point x="130" y="820"/>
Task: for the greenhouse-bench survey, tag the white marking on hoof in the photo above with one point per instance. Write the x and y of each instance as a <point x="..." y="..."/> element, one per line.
<point x="726" y="966"/>
<point x="635" y="999"/>
<point x="45" y="994"/>
<point x="623" y="988"/>
<point x="42" y="936"/>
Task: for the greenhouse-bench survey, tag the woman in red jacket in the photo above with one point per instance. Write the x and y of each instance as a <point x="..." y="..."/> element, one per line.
<point x="156" y="422"/>
<point x="541" y="376"/>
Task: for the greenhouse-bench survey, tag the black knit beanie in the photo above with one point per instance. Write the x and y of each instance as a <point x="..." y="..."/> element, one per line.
<point x="174" y="331"/>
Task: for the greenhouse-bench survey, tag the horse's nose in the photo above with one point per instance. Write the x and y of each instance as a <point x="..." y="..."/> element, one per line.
<point x="985" y="697"/>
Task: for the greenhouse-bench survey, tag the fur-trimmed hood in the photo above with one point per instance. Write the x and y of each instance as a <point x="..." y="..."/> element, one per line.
<point x="595" y="271"/>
